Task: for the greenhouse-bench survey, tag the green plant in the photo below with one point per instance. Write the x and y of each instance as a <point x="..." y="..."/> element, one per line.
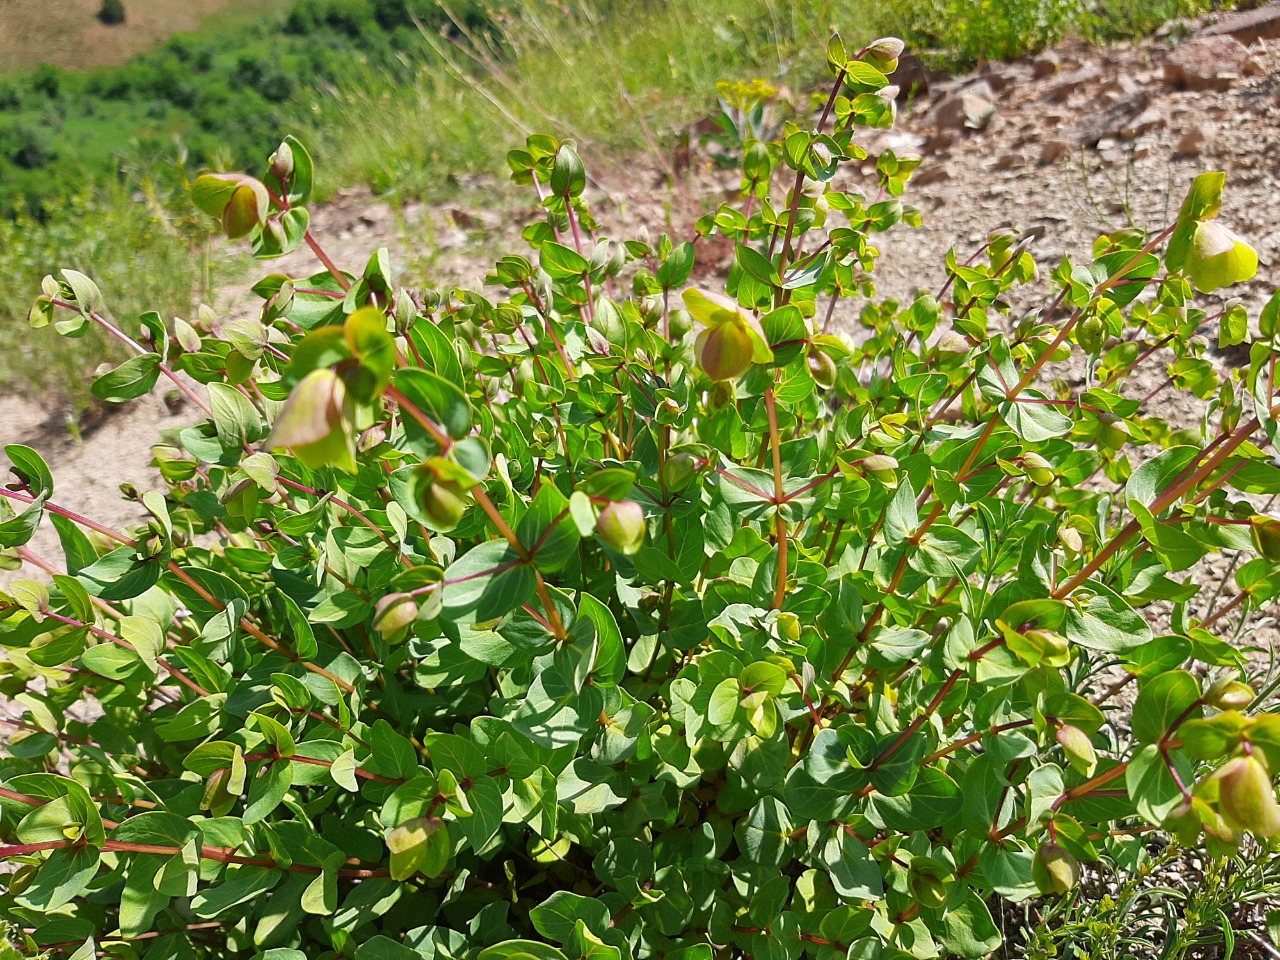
<point x="744" y="118"/>
<point x="112" y="12"/>
<point x="148" y="255"/>
<point x="570" y="622"/>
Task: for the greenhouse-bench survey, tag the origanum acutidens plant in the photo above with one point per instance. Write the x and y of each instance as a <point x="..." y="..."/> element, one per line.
<point x="601" y="616"/>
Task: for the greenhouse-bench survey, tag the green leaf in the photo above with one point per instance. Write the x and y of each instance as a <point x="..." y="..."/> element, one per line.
<point x="234" y="417"/>
<point x="487" y="582"/>
<point x="520" y="950"/>
<point x="1151" y="786"/>
<point x="130" y="380"/>
<point x="556" y="917"/>
<point x="440" y="399"/>
<point x="29" y="467"/>
<point x="562" y="263"/>
<point x="61" y="879"/>
<point x="1204" y="199"/>
<point x="1105" y="622"/>
<point x="1162" y="701"/>
<point x="1177" y="549"/>
<point x="968" y="929"/>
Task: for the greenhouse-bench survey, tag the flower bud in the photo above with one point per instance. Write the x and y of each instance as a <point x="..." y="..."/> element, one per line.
<point x="242" y="213"/>
<point x="1185" y="821"/>
<point x="1039" y="470"/>
<point x="681" y="324"/>
<point x="1246" y="798"/>
<point x="721" y="395"/>
<point x="1266" y="536"/>
<point x="409" y="844"/>
<point x="621" y="526"/>
<point x="1113" y="433"/>
<point x="444" y="499"/>
<point x="884" y="53"/>
<point x="1091" y="334"/>
<point x="1078" y="748"/>
<point x="1218" y="257"/>
<point x="1233" y="695"/>
<point x="1054" y="870"/>
<point x="822" y="368"/>
<point x="724" y="351"/>
<point x="953" y="342"/>
<point x="1036" y="646"/>
<point x="393" y="612"/>
<point x="927" y="879"/>
<point x="312" y="424"/>
<point x="678" y="471"/>
<point x="282" y="162"/>
<point x="789" y="627"/>
<point x="881" y="466"/>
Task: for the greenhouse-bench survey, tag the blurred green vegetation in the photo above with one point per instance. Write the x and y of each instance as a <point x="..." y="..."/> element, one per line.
<point x="219" y="98"/>
<point x="409" y="96"/>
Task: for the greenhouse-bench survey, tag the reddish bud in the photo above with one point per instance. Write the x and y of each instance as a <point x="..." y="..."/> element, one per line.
<point x="822" y="368"/>
<point x="242" y="212"/>
<point x="312" y="423"/>
<point x="724" y="351"/>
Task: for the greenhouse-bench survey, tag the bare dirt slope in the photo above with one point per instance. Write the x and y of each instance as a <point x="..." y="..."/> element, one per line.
<point x="1073" y="143"/>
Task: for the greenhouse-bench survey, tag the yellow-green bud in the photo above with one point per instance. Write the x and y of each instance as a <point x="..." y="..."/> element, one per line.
<point x="681" y="324"/>
<point x="822" y="368"/>
<point x="1078" y="748"/>
<point x="881" y="466"/>
<point x="724" y="351"/>
<point x="1266" y="536"/>
<point x="884" y="53"/>
<point x="678" y="471"/>
<point x="393" y="612"/>
<point x="1218" y="257"/>
<point x="927" y="879"/>
<point x="621" y="526"/>
<point x="720" y="396"/>
<point x="1054" y="870"/>
<point x="1232" y="695"/>
<point x="789" y="627"/>
<point x="1039" y="470"/>
<point x="1246" y="798"/>
<point x="1091" y="334"/>
<point x="445" y="502"/>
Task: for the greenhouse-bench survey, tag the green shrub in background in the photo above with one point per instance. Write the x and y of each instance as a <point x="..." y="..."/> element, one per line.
<point x="112" y="12"/>
<point x="601" y="616"/>
<point x="105" y="233"/>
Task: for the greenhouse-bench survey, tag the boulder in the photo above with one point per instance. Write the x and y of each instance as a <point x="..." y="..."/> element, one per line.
<point x="961" y="111"/>
<point x="1206" y="63"/>
<point x="1250" y="26"/>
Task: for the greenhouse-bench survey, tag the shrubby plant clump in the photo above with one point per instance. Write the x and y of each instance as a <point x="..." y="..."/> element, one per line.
<point x="602" y="616"/>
